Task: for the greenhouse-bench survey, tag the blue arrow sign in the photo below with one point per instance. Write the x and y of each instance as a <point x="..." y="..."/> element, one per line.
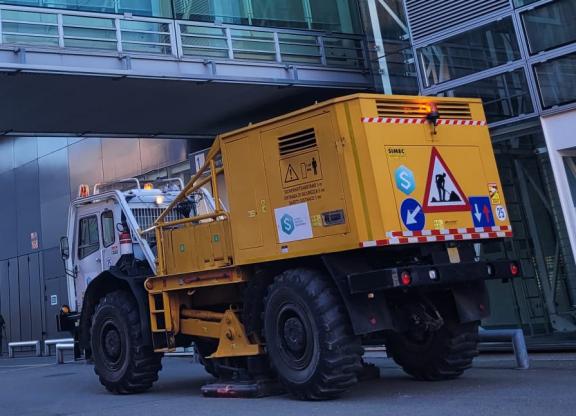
<point x="412" y="215"/>
<point x="481" y="211"/>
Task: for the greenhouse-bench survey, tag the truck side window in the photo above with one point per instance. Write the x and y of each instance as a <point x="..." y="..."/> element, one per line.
<point x="108" y="234"/>
<point x="88" y="241"/>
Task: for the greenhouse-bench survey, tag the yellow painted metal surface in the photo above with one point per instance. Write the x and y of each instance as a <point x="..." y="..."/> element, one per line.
<point x="323" y="179"/>
<point x="229" y="331"/>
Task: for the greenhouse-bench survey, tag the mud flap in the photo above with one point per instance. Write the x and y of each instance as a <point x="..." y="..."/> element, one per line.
<point x="472" y="301"/>
<point x="367" y="313"/>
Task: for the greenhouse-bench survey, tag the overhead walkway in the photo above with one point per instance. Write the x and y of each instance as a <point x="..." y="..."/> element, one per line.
<point x="92" y="73"/>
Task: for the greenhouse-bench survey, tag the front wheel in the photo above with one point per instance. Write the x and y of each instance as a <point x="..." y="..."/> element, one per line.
<point x="123" y="364"/>
<point x="309" y="338"/>
<point x="439" y="355"/>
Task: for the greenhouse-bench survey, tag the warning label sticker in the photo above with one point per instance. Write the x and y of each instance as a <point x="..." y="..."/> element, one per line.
<point x="443" y="193"/>
<point x="300" y="169"/>
<point x="301" y="177"/>
<point x="494" y="194"/>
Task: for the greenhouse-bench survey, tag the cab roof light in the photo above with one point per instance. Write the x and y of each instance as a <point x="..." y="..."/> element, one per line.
<point x="84" y="191"/>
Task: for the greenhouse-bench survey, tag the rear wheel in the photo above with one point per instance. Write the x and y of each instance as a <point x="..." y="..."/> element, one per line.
<point x="121" y="361"/>
<point x="309" y="338"/>
<point x="440" y="355"/>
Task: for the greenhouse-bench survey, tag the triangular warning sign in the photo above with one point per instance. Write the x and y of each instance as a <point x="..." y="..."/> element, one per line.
<point x="291" y="175"/>
<point x="443" y="194"/>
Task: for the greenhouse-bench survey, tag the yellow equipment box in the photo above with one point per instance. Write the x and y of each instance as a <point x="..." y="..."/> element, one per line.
<point x="359" y="171"/>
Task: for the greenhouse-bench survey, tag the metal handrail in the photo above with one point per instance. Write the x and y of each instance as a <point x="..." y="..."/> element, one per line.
<point x="176" y="42"/>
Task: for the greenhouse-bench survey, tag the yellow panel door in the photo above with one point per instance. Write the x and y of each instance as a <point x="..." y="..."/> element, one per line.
<point x="246" y="184"/>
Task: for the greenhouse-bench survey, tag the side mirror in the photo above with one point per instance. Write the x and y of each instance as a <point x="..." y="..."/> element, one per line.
<point x="64" y="248"/>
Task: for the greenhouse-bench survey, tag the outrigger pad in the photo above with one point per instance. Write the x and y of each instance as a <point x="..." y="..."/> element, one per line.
<point x="248" y="389"/>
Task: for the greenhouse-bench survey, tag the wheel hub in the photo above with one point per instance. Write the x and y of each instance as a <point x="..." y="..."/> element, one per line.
<point x="112" y="343"/>
<point x="295" y="335"/>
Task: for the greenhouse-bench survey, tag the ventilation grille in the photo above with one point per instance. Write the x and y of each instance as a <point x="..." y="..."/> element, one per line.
<point x="431" y="17"/>
<point x="305" y="139"/>
<point x="457" y="110"/>
<point x="410" y="109"/>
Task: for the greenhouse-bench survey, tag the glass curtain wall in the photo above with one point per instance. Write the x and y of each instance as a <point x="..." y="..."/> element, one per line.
<point x="338" y="16"/>
<point x="474" y="51"/>
<point x="542" y="301"/>
<point x="550" y="25"/>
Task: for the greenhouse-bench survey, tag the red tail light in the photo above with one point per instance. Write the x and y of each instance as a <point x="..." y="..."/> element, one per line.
<point x="405" y="278"/>
<point x="514" y="269"/>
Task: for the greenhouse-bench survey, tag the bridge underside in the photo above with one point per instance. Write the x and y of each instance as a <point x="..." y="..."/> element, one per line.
<point x="56" y="104"/>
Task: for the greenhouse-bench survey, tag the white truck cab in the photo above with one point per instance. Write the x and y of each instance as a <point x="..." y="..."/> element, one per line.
<point x="108" y="229"/>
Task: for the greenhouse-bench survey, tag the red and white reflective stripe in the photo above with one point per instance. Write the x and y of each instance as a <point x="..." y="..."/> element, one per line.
<point x="437" y="237"/>
<point x="454" y="122"/>
<point x="439" y="122"/>
<point x="448" y="231"/>
<point x="389" y="120"/>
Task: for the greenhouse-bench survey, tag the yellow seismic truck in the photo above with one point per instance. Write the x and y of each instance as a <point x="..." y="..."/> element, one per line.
<point x="357" y="219"/>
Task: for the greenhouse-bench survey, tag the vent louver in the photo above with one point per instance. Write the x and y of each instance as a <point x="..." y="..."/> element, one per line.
<point x="428" y="18"/>
<point x="410" y="109"/>
<point x="295" y="142"/>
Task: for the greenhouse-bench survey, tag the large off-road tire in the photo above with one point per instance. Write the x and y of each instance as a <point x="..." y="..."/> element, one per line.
<point x="308" y="336"/>
<point x="440" y="355"/>
<point x="121" y="361"/>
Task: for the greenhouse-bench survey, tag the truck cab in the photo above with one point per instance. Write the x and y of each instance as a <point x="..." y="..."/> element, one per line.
<point x="107" y="236"/>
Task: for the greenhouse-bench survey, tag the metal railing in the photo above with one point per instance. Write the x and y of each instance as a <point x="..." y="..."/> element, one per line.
<point x="126" y="34"/>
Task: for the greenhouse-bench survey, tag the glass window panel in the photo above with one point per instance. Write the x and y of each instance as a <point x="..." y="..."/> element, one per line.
<point x="504" y="96"/>
<point x="145" y="37"/>
<point x="30" y="40"/>
<point x="557" y="80"/>
<point x="205" y="42"/>
<point x="202" y="30"/>
<point x="288" y="13"/>
<point x="93" y="22"/>
<point x="29" y="29"/>
<point x="550" y="25"/>
<point x="227" y="11"/>
<point x="144" y="26"/>
<point x="108" y="228"/>
<point x="88" y="241"/>
<point x="335" y="16"/>
<point x="479" y="49"/>
<point x="146" y="48"/>
<point x="90" y="44"/>
<point x="79" y="32"/>
<point x="155" y="8"/>
<point x="20" y="16"/>
<point x="299" y="49"/>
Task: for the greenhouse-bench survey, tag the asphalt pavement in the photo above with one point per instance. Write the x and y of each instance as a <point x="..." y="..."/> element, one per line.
<point x="38" y="386"/>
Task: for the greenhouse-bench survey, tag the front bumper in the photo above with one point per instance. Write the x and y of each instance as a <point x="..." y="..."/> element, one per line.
<point x="430" y="275"/>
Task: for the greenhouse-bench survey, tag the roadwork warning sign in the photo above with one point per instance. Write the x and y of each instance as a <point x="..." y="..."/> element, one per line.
<point x="443" y="193"/>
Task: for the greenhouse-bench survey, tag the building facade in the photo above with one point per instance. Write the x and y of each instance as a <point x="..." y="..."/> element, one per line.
<point x="94" y="91"/>
<point x="102" y="90"/>
<point x="519" y="56"/>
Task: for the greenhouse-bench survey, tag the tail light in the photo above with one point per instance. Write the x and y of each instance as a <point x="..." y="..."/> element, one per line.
<point x="405" y="278"/>
<point x="514" y="269"/>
